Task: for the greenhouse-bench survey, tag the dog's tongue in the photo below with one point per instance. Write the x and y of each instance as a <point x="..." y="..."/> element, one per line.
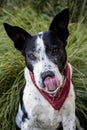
<point x="51" y="83"/>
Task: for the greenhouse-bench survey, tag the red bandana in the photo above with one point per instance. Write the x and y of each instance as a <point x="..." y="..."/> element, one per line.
<point x="58" y="100"/>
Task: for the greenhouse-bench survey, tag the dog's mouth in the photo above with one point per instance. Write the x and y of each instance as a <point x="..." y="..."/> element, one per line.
<point x="51" y="84"/>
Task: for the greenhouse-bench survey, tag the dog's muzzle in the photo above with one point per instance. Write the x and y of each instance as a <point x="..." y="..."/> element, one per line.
<point x="50" y="81"/>
<point x="58" y="96"/>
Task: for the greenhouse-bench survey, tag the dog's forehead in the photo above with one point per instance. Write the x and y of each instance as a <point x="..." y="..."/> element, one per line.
<point x="39" y="41"/>
<point x="35" y="43"/>
<point x="48" y="38"/>
<point x="42" y="40"/>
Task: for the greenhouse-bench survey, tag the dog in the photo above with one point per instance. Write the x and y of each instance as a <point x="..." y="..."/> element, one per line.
<point x="47" y="98"/>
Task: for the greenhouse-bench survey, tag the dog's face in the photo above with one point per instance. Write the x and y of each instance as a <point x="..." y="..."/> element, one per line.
<point x="44" y="52"/>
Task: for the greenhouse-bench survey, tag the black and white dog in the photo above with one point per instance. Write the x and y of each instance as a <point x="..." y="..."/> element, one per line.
<point x="48" y="97"/>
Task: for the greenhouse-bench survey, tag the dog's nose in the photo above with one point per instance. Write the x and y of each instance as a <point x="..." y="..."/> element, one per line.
<point x="47" y="74"/>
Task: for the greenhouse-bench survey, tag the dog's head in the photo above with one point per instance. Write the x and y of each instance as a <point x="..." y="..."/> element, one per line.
<point x="44" y="52"/>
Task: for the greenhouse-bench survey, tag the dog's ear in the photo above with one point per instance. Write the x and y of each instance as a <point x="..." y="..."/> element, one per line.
<point x="17" y="35"/>
<point x="60" y="25"/>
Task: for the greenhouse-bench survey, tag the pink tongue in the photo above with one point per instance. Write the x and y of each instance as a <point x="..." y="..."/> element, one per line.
<point x="51" y="83"/>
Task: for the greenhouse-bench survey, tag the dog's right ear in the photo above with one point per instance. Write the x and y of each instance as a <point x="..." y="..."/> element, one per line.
<point x="17" y="35"/>
<point x="59" y="25"/>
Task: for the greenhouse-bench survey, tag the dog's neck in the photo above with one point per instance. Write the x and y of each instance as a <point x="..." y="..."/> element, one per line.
<point x="59" y="98"/>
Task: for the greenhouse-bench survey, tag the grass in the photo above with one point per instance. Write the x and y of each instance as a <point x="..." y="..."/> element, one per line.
<point x="77" y="52"/>
<point x="12" y="63"/>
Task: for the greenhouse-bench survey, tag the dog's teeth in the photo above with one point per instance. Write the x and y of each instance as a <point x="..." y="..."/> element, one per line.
<point x="46" y="89"/>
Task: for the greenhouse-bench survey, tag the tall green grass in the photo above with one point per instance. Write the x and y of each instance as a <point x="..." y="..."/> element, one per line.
<point x="12" y="63"/>
<point x="77" y="55"/>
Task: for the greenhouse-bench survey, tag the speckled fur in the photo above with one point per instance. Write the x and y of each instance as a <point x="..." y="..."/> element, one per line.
<point x="40" y="112"/>
<point x="44" y="52"/>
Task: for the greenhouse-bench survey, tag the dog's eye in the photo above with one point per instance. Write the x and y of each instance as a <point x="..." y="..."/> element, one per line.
<point x="55" y="51"/>
<point x="31" y="57"/>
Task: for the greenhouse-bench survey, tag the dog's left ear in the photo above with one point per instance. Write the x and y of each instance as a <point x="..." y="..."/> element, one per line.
<point x="17" y="35"/>
<point x="59" y="25"/>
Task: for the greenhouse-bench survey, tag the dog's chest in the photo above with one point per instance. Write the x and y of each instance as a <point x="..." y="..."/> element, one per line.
<point x="39" y="109"/>
<point x="46" y="118"/>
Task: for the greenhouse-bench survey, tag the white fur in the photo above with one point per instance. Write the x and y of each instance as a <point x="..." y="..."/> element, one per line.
<point x="41" y="114"/>
<point x="43" y="65"/>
